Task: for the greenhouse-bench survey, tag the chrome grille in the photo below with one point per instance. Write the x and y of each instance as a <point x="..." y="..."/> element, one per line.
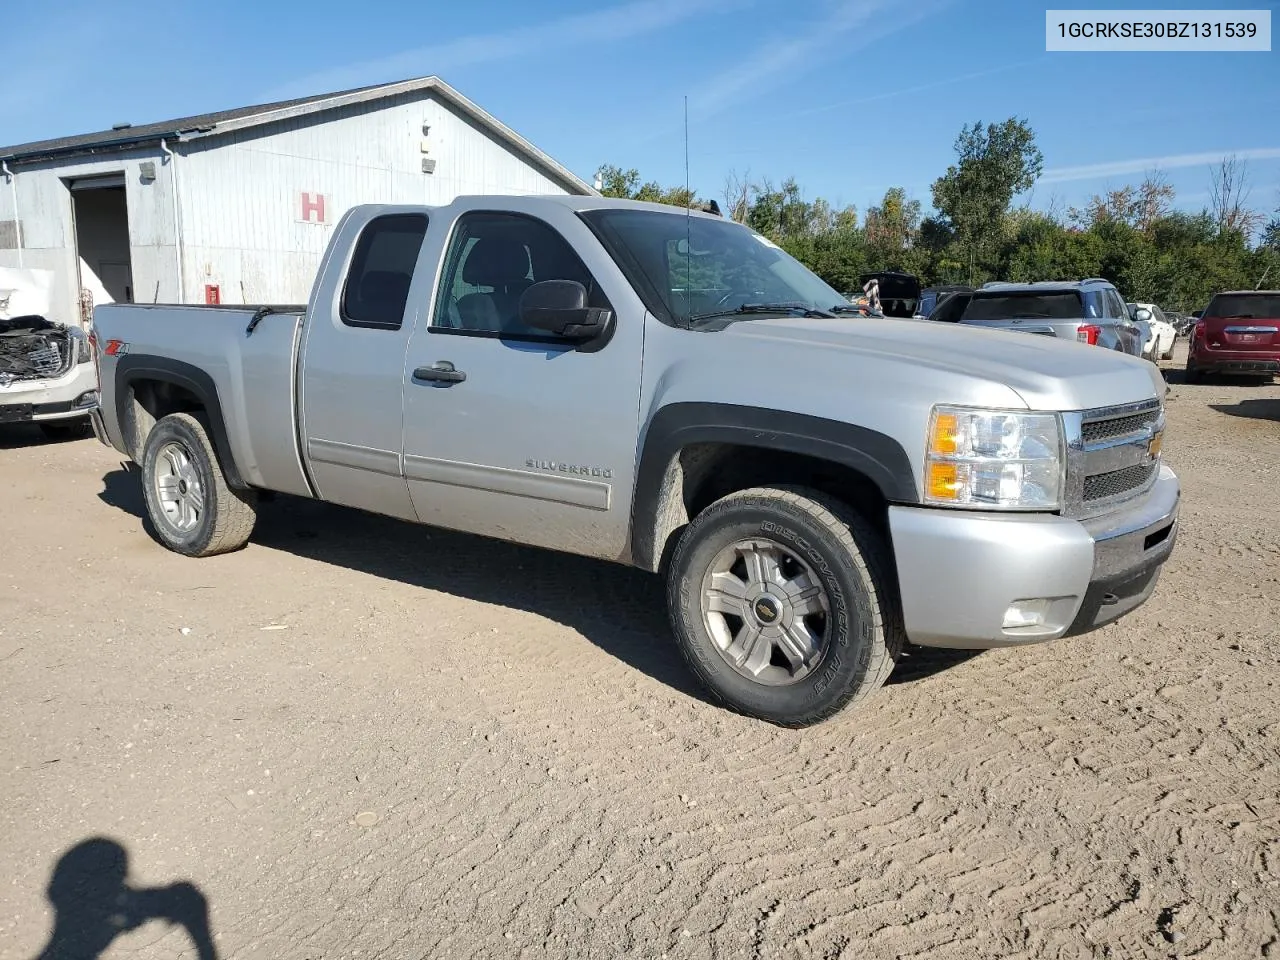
<point x="1108" y="456"/>
<point x="1094" y="430"/>
<point x="1104" y="486"/>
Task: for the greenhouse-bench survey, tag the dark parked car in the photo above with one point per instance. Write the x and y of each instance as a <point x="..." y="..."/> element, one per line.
<point x="930" y="297"/>
<point x="1238" y="333"/>
<point x="898" y="291"/>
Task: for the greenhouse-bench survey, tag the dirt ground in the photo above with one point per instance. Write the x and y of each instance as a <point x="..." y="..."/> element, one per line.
<point x="544" y="780"/>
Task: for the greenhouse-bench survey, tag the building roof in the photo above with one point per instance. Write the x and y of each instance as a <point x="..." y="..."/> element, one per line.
<point x="225" y="121"/>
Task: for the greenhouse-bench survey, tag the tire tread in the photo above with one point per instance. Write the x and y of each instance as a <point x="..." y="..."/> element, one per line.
<point x="234" y="511"/>
<point x="865" y="549"/>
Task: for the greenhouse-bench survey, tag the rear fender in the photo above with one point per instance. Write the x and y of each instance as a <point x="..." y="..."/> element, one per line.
<point x="134" y="368"/>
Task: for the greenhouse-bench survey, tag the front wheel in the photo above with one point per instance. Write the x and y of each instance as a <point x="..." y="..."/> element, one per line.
<point x="190" y="506"/>
<point x="783" y="604"/>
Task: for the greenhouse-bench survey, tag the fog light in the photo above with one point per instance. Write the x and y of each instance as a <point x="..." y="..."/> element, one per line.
<point x="87" y="399"/>
<point x="1026" y="613"/>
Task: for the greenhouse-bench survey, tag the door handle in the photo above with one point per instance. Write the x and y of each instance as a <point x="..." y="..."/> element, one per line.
<point x="442" y="371"/>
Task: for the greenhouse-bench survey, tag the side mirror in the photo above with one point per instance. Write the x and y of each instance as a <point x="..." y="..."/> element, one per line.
<point x="1142" y="315"/>
<point x="560" y="307"/>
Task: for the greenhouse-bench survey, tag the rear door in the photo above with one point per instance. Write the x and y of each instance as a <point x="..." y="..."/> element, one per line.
<point x="1245" y="323"/>
<point x="529" y="438"/>
<point x="351" y="392"/>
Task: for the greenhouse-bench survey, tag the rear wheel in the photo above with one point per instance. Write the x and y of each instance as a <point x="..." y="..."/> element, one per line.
<point x="783" y="604"/>
<point x="1191" y="374"/>
<point x="191" y="508"/>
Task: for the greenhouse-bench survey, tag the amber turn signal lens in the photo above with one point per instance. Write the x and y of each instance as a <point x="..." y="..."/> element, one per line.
<point x="944" y="481"/>
<point x="946" y="431"/>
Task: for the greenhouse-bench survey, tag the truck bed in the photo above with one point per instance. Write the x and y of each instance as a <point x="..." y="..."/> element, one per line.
<point x="246" y="355"/>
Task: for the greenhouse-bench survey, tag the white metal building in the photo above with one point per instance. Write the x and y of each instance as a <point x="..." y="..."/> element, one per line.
<point x="237" y="206"/>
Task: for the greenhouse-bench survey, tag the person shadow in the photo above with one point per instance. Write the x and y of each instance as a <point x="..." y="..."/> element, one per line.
<point x="94" y="904"/>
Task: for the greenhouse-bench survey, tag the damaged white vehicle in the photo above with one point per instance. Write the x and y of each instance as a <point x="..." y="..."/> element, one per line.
<point x="47" y="374"/>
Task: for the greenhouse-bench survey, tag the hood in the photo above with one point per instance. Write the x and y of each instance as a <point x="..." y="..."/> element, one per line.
<point x="1047" y="373"/>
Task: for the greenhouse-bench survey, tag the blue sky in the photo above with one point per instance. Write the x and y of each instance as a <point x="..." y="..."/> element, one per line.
<point x="849" y="96"/>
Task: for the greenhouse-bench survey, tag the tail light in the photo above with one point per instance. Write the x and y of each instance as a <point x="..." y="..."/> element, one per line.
<point x="93" y="355"/>
<point x="1199" y="332"/>
<point x="1089" y="333"/>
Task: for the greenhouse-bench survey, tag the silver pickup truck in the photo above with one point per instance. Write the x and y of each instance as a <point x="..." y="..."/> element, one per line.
<point x="668" y="390"/>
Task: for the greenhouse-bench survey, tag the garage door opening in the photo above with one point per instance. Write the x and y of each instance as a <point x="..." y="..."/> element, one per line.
<point x="102" y="242"/>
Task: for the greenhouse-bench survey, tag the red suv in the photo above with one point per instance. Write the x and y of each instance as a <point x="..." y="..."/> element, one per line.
<point x="1239" y="332"/>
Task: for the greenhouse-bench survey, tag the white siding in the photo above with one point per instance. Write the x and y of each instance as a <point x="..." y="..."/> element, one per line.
<point x="242" y="192"/>
<point x="240" y="197"/>
<point x="48" y="233"/>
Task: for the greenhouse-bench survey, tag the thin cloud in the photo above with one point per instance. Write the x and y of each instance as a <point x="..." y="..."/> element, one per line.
<point x="1122" y="168"/>
<point x="824" y="40"/>
<point x="933" y="85"/>
<point x="601" y="26"/>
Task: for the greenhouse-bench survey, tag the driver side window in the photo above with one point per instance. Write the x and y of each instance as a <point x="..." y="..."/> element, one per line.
<point x="493" y="259"/>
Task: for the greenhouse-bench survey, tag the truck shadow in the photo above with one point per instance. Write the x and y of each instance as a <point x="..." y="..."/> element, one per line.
<point x="619" y="609"/>
<point x="16" y="435"/>
<point x="1264" y="409"/>
<point x="94" y="903"/>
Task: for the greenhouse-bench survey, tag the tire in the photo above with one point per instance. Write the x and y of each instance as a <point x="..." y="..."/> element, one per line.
<point x="1191" y="374"/>
<point x="815" y="540"/>
<point x="197" y="514"/>
<point x="76" y="429"/>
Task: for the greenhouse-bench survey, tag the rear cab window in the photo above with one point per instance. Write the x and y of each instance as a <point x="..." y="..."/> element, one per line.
<point x="1029" y="305"/>
<point x="377" y="286"/>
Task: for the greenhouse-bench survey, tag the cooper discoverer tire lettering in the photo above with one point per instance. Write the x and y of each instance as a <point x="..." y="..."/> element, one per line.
<point x="783" y="604"/>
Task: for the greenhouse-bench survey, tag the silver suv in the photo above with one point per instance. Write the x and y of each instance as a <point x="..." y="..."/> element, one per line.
<point x="1089" y="311"/>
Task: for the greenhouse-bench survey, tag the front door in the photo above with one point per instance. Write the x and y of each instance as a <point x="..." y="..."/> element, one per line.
<point x="511" y="432"/>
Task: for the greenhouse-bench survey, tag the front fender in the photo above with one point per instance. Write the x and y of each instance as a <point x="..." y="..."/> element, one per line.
<point x="877" y="456"/>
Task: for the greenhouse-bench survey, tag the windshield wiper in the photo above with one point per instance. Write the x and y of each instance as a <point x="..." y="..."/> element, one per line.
<point x="845" y="308"/>
<point x="793" y="306"/>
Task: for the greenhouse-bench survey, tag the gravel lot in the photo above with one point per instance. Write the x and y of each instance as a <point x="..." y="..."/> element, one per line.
<point x="545" y="780"/>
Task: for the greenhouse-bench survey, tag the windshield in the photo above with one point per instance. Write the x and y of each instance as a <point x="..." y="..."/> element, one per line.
<point x="695" y="267"/>
<point x="1063" y="305"/>
<point x="1258" y="305"/>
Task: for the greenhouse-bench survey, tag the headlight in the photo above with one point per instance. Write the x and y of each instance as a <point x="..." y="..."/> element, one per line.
<point x="1005" y="459"/>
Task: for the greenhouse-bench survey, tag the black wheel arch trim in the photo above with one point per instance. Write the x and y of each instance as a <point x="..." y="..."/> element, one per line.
<point x="133" y="367"/>
<point x="875" y="455"/>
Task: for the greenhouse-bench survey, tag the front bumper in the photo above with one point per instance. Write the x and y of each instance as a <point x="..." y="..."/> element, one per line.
<point x="959" y="572"/>
<point x="38" y="401"/>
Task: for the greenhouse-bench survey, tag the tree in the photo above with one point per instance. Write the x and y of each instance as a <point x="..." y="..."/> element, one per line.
<point x="738" y="193"/>
<point x="1229" y="198"/>
<point x="993" y="166"/>
<point x="626" y="185"/>
<point x="893" y="224"/>
<point x="1139" y="206"/>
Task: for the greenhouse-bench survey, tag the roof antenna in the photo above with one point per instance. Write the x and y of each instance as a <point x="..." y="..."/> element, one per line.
<point x="688" y="211"/>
